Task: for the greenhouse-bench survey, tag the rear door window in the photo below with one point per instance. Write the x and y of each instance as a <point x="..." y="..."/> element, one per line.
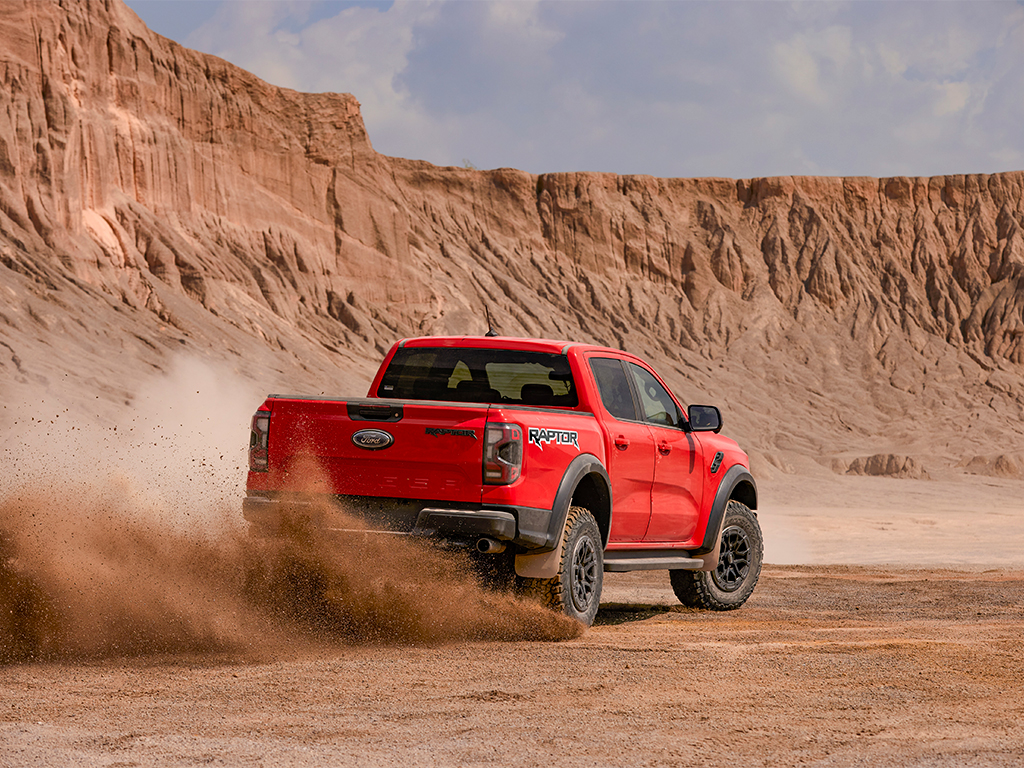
<point x="613" y="387"/>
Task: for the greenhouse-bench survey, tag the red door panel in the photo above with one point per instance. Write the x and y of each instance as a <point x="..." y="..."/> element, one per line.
<point x="676" y="493"/>
<point x="631" y="468"/>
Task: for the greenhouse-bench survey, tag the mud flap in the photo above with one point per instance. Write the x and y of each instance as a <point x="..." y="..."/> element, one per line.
<point x="541" y="566"/>
<point x="544" y="565"/>
<point x="711" y="558"/>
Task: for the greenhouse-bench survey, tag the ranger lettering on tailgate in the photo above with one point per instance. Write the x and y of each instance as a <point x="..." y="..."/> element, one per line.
<point x="437" y="432"/>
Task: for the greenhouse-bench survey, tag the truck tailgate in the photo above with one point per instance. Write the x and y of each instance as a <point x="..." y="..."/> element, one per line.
<point x="413" y="449"/>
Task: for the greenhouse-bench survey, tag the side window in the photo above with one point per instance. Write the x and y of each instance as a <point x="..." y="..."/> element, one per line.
<point x="657" y="404"/>
<point x="614" y="387"/>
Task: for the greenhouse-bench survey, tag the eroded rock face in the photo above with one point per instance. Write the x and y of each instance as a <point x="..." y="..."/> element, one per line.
<point x="1000" y="465"/>
<point x="152" y="197"/>
<point x="887" y="465"/>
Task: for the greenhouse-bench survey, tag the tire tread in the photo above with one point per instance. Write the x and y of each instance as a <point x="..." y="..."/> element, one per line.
<point x="695" y="589"/>
<point x="551" y="593"/>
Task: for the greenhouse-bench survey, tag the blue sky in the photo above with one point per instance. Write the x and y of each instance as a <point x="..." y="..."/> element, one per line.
<point x="661" y="87"/>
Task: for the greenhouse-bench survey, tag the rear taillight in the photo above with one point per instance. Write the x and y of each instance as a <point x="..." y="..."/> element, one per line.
<point x="259" y="441"/>
<point x="503" y="453"/>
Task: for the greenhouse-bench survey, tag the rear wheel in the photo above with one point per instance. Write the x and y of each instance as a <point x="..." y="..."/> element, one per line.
<point x="739" y="566"/>
<point x="576" y="590"/>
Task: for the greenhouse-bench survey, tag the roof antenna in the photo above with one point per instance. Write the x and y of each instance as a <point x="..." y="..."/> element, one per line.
<point x="490" y="326"/>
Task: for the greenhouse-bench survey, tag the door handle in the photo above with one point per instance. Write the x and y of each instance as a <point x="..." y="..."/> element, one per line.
<point x="621" y="442"/>
<point x="664" y="449"/>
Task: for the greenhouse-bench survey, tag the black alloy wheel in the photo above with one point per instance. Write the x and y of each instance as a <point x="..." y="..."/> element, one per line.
<point x="734" y="560"/>
<point x="584" y="581"/>
<point x="576" y="589"/>
<point x="728" y="585"/>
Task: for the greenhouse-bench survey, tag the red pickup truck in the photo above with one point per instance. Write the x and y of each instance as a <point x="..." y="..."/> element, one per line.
<point x="562" y="460"/>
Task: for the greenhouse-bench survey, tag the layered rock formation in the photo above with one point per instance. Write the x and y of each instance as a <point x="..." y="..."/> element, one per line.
<point x="154" y="199"/>
<point x="882" y="465"/>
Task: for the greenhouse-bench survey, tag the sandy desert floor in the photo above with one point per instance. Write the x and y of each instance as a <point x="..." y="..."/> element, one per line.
<point x="956" y="521"/>
<point x="915" y="664"/>
<point x="825" y="666"/>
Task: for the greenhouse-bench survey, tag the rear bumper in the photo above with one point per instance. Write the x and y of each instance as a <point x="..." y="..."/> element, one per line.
<point x="475" y="523"/>
<point x="271" y="513"/>
<point x="516" y="525"/>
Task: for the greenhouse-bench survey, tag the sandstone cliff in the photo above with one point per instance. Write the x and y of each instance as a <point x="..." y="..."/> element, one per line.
<point x="155" y="199"/>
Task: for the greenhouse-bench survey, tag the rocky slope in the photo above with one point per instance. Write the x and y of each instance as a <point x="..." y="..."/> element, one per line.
<point x="155" y="200"/>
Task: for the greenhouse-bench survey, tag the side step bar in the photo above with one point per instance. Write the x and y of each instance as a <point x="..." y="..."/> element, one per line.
<point x="619" y="562"/>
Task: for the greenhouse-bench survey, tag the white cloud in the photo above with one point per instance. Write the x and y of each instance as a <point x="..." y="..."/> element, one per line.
<point x="798" y="68"/>
<point x="671" y="89"/>
<point x="522" y="20"/>
<point x="1009" y="158"/>
<point x="361" y="50"/>
<point x="806" y="59"/>
<point x="952" y="98"/>
<point x="893" y="60"/>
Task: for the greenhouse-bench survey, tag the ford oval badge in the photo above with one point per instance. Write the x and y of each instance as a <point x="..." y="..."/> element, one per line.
<point x="372" y="439"/>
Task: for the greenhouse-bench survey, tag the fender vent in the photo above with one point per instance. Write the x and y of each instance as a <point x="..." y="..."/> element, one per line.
<point x="717" y="462"/>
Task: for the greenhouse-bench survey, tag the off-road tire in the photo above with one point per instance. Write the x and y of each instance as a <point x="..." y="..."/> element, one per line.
<point x="739" y="566"/>
<point x="576" y="590"/>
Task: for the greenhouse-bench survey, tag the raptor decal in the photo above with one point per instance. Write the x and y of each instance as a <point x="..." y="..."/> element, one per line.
<point x="540" y="437"/>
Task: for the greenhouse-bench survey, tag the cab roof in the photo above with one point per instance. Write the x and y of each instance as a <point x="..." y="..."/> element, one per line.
<point x="551" y="346"/>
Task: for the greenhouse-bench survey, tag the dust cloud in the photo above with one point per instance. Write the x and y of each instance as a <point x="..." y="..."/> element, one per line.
<point x="126" y="539"/>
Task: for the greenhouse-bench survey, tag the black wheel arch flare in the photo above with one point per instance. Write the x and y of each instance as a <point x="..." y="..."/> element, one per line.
<point x="585" y="483"/>
<point x="738" y="484"/>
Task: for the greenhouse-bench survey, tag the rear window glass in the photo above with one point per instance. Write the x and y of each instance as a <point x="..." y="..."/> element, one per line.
<point x="479" y="376"/>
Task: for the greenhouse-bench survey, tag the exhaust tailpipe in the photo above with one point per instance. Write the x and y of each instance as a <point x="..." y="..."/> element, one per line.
<point x="490" y="546"/>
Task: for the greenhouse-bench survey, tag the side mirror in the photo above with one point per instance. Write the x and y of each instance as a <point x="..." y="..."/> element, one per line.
<point x="704" y="418"/>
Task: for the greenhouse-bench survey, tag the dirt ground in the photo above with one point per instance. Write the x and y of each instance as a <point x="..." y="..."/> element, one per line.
<point x="825" y="665"/>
